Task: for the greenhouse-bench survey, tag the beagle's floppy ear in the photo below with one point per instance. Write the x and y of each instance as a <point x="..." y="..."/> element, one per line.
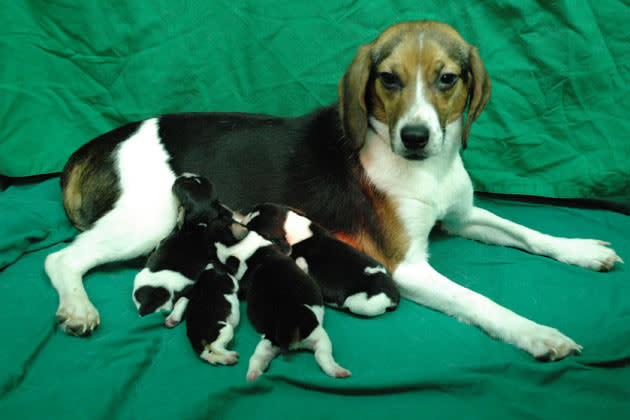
<point x="352" y="91"/>
<point x="478" y="93"/>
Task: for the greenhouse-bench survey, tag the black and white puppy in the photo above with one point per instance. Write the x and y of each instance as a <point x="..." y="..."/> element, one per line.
<point x="172" y="268"/>
<point x="211" y="316"/>
<point x="284" y="303"/>
<point x="348" y="278"/>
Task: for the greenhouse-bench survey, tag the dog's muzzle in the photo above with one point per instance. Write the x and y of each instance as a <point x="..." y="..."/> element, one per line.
<point x="414" y="138"/>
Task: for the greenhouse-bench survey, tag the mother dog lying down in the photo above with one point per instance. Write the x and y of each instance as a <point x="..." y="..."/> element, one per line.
<point x="378" y="169"/>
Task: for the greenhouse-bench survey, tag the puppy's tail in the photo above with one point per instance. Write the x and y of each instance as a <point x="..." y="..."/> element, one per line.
<point x="295" y="323"/>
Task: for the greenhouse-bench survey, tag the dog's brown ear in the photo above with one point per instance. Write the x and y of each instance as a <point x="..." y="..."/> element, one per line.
<point x="351" y="91"/>
<point x="478" y="93"/>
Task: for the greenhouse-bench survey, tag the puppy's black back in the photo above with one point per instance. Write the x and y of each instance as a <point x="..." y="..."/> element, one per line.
<point x="340" y="269"/>
<point x="277" y="292"/>
<point x="207" y="307"/>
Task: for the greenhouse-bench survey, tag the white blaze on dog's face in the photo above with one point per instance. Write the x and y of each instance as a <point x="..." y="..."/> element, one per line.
<point x="421" y="88"/>
<point x="410" y="84"/>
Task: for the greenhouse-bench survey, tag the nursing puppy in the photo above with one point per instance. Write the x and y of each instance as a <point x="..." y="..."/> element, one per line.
<point x="211" y="316"/>
<point x="180" y="258"/>
<point x="347" y="277"/>
<point x="284" y="303"/>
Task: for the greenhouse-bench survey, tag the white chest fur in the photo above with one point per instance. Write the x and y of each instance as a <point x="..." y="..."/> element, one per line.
<point x="424" y="192"/>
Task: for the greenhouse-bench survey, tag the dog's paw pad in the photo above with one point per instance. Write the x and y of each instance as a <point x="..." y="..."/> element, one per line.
<point x="548" y="344"/>
<point x="590" y="253"/>
<point x="78" y="317"/>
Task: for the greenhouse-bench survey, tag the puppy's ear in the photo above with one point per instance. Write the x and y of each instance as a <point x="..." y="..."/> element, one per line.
<point x="351" y="91"/>
<point x="182" y="190"/>
<point x="181" y="217"/>
<point x="194" y="195"/>
<point x="478" y="93"/>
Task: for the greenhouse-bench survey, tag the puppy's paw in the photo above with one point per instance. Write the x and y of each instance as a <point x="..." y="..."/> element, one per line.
<point x="223" y="358"/>
<point x="252" y="375"/>
<point x="77" y="316"/>
<point x="342" y="373"/>
<point x="588" y="253"/>
<point x="546" y="344"/>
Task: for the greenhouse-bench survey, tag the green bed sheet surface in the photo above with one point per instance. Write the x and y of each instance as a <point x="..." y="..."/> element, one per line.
<point x="556" y="124"/>
<point x="412" y="363"/>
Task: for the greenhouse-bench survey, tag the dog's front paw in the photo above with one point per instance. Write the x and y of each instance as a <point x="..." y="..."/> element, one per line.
<point x="546" y="344"/>
<point x="77" y="316"/>
<point x="589" y="253"/>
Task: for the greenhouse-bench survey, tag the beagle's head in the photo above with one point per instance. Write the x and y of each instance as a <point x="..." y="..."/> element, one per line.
<point x="409" y="85"/>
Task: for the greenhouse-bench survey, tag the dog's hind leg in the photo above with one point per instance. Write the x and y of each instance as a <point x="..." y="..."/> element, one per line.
<point x="144" y="214"/>
<point x="319" y="343"/>
<point x="216" y="353"/>
<point x="113" y="238"/>
<point x="263" y="355"/>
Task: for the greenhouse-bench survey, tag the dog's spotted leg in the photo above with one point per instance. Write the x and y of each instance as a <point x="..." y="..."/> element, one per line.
<point x="419" y="282"/>
<point x="483" y="226"/>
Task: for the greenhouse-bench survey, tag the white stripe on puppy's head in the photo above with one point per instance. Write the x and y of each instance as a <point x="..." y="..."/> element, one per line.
<point x="297" y="228"/>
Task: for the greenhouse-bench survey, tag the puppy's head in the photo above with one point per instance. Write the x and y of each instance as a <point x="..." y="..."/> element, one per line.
<point x="196" y="199"/>
<point x="157" y="291"/>
<point x="269" y="221"/>
<point x="410" y="85"/>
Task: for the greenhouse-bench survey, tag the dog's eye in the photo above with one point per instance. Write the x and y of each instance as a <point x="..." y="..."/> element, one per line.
<point x="447" y="80"/>
<point x="390" y="81"/>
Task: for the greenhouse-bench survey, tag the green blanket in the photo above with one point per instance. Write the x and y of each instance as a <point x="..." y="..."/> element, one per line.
<point x="556" y="125"/>
<point x="412" y="363"/>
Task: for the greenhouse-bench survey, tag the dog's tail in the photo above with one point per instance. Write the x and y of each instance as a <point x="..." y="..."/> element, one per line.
<point x="294" y="324"/>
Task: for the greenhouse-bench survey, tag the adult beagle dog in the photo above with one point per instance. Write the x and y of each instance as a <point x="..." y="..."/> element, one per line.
<point x="378" y="169"/>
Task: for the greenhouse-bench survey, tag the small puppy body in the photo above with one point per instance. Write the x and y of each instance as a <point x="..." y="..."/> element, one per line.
<point x="284" y="303"/>
<point x="212" y="314"/>
<point x="178" y="260"/>
<point x="348" y="278"/>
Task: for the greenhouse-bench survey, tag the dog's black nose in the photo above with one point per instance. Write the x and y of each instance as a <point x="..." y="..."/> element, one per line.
<point x="414" y="136"/>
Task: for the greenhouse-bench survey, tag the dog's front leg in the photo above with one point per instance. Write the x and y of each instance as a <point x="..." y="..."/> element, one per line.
<point x="483" y="226"/>
<point x="419" y="282"/>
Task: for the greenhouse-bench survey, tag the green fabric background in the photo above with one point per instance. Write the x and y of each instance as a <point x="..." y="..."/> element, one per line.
<point x="412" y="363"/>
<point x="556" y="125"/>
